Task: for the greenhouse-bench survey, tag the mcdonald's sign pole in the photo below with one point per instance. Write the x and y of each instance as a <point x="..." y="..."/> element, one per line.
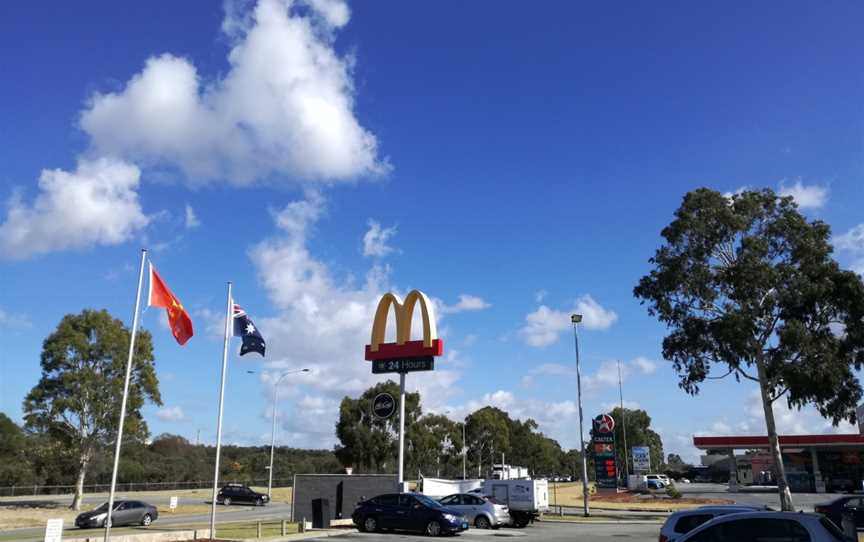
<point x="403" y="356"/>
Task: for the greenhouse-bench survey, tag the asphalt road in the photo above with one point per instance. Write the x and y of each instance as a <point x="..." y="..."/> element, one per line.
<point x="542" y="531"/>
<point x="760" y="496"/>
<point x="274" y="512"/>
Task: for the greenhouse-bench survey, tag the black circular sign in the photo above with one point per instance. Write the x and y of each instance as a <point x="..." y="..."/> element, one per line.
<point x="384" y="405"/>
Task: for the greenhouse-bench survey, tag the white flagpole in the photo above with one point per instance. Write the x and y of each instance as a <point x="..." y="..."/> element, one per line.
<point x="125" y="395"/>
<point x="228" y="318"/>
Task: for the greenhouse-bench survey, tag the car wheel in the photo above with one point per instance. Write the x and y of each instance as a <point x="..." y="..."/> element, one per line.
<point x="433" y="528"/>
<point x="482" y="522"/>
<point x="226" y="501"/>
<point x="370" y="524"/>
<point x="146" y="520"/>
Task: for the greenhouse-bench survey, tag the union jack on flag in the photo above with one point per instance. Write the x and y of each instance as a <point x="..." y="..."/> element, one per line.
<point x="246" y="330"/>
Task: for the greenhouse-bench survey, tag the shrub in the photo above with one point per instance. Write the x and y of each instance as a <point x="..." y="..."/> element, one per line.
<point x="673" y="492"/>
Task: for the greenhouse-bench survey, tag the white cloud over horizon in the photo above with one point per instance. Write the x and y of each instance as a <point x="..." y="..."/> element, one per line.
<point x="323" y="323"/>
<point x="171" y="414"/>
<point x="544" y="325"/>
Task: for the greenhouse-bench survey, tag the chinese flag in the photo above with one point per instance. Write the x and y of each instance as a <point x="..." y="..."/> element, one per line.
<point x="161" y="296"/>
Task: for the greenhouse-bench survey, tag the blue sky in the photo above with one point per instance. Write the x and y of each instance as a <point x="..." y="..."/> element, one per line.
<point x="515" y="164"/>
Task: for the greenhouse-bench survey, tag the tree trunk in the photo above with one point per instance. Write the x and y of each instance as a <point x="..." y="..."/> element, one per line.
<point x="79" y="485"/>
<point x="774" y="442"/>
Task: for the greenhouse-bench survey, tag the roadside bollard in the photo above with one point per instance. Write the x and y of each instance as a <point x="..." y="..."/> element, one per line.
<point x="284" y="527"/>
<point x="301" y="527"/>
<point x="258" y="530"/>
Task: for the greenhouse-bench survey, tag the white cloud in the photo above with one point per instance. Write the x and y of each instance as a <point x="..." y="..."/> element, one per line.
<point x="606" y="375"/>
<point x="629" y="405"/>
<point x="466" y="303"/>
<point x="545" y="325"/>
<point x="806" y="196"/>
<point x="645" y="365"/>
<point x="96" y="204"/>
<point x="375" y="240"/>
<point x="284" y="108"/>
<point x="171" y="414"/>
<point x="14" y="321"/>
<point x="323" y="323"/>
<point x="191" y="218"/>
<point x="853" y="242"/>
<point x="594" y="316"/>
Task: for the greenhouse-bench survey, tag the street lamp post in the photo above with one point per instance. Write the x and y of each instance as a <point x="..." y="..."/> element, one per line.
<point x="273" y="433"/>
<point x="575" y="319"/>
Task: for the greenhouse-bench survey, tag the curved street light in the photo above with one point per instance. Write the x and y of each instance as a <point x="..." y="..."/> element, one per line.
<point x="273" y="432"/>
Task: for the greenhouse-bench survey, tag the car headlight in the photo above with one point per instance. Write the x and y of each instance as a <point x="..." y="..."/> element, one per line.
<point x="450" y="517"/>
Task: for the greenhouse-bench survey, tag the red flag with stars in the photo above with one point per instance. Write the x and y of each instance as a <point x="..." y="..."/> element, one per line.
<point x="161" y="296"/>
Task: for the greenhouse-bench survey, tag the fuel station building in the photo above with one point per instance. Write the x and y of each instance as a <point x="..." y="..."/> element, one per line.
<point x="813" y="463"/>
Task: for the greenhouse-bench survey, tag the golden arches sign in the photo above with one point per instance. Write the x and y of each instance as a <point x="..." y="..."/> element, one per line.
<point x="431" y="345"/>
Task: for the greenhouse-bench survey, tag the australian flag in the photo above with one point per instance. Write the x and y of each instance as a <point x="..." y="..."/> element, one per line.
<point x="246" y="330"/>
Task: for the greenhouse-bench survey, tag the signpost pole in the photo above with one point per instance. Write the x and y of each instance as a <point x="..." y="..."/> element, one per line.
<point x="401" y="432"/>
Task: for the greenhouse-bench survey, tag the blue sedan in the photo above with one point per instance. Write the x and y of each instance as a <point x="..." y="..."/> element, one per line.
<point x="407" y="512"/>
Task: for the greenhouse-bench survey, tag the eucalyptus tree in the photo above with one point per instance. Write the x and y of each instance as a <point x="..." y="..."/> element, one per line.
<point x="77" y="399"/>
<point x="747" y="288"/>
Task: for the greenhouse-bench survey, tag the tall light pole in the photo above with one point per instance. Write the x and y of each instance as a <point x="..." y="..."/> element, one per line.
<point x="273" y="433"/>
<point x="575" y="319"/>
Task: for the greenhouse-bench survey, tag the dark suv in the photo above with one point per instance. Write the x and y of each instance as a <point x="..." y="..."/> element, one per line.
<point x="407" y="512"/>
<point x="233" y="493"/>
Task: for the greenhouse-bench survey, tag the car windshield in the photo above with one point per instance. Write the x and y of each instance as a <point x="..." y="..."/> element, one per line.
<point x="426" y="501"/>
<point x="104" y="507"/>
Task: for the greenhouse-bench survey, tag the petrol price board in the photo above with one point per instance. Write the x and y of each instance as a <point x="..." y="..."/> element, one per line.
<point x="603" y="446"/>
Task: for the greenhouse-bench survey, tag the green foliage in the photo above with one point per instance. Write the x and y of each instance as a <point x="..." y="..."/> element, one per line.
<point x="15" y="464"/>
<point x="639" y="433"/>
<point x="748" y="282"/>
<point x="434" y="443"/>
<point x="369" y="444"/>
<point x="77" y="400"/>
<point x="747" y="287"/>
<point x="673" y="492"/>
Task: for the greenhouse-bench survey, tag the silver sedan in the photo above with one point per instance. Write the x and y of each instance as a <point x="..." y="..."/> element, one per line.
<point x="481" y="512"/>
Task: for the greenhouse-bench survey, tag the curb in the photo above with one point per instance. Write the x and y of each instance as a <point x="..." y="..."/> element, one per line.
<point x="308" y="535"/>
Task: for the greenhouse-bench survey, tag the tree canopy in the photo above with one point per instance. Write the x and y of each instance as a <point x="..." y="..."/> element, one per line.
<point x="747" y="287"/>
<point x="77" y="400"/>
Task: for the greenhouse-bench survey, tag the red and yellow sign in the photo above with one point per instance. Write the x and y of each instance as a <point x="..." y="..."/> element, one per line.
<point x="404" y="347"/>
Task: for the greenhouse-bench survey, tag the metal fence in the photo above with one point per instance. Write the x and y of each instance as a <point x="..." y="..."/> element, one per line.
<point x="35" y="489"/>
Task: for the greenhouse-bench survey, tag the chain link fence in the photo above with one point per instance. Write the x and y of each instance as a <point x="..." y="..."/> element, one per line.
<point x="129" y="487"/>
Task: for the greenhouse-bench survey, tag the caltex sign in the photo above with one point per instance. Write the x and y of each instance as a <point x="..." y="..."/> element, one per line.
<point x="603" y="446"/>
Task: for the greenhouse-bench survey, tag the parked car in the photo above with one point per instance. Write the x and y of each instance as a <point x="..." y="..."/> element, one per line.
<point x="681" y="523"/>
<point x="763" y="526"/>
<point x="833" y="510"/>
<point x="482" y="512"/>
<point x="660" y="477"/>
<point x="125" y="513"/>
<point x="237" y="493"/>
<point x="654" y="484"/>
<point x="407" y="512"/>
